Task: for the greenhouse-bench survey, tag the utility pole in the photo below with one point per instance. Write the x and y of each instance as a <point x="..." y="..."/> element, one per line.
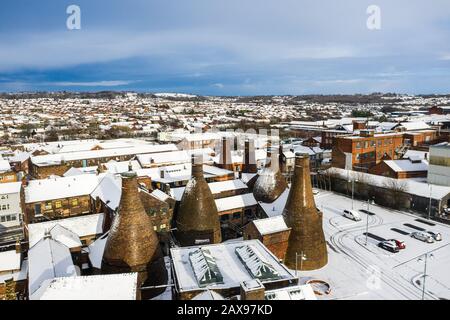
<point x="429" y="205"/>
<point x="425" y="272"/>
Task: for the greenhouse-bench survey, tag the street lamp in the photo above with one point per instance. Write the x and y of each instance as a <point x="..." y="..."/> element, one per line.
<point x="367" y="214"/>
<point x="425" y="271"/>
<point x="353" y="190"/>
<point x="302" y="258"/>
<point x="429" y="205"/>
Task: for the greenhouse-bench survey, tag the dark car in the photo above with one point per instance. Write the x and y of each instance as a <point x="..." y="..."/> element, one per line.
<point x="389" y="246"/>
<point x="400" y="244"/>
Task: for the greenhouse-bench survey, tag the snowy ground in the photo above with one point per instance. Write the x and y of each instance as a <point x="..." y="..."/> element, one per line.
<point x="357" y="270"/>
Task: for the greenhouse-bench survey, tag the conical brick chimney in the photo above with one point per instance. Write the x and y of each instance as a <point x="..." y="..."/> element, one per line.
<point x="133" y="244"/>
<point x="270" y="183"/>
<point x="305" y="220"/>
<point x="197" y="219"/>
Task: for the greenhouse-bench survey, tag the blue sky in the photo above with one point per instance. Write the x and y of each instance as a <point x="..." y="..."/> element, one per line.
<point x="226" y="47"/>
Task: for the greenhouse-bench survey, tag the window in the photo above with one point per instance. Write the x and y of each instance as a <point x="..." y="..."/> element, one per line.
<point x="74" y="202"/>
<point x="58" y="204"/>
<point x="386" y="142"/>
<point x="380" y="143"/>
<point x="358" y="145"/>
<point x="224" y="218"/>
<point x="2" y="219"/>
<point x="155" y="228"/>
<point x="236" y="215"/>
<point x="4" y="197"/>
<point x="162" y="227"/>
<point x="366" y="144"/>
<point x="357" y="156"/>
<point x="48" y="206"/>
<point x="37" y="209"/>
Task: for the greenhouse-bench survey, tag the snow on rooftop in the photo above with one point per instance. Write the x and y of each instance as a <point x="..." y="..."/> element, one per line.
<point x="96" y="250"/>
<point x="122" y="166"/>
<point x="55" y="159"/>
<point x="48" y="259"/>
<point x="121" y="286"/>
<point x="302" y="292"/>
<point x="228" y="263"/>
<point x="10" y="187"/>
<point x="4" y="165"/>
<point x="109" y="190"/>
<point x="9" y="261"/>
<point x="407" y="165"/>
<point x="270" y="225"/>
<point x="276" y="208"/>
<point x="412" y="186"/>
<point x="81" y="226"/>
<point x="60" y="187"/>
<point x="236" y="202"/>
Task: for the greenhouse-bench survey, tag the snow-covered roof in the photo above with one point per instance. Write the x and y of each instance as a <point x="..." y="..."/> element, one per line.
<point x="302" y="292"/>
<point x="231" y="267"/>
<point x="4" y="165"/>
<point x="10" y="187"/>
<point x="96" y="250"/>
<point x="415" y="125"/>
<point x="122" y="166"/>
<point x="81" y="226"/>
<point x="275" y="208"/>
<point x="109" y="190"/>
<point x="60" y="187"/>
<point x="208" y="295"/>
<point x="158" y="194"/>
<point x="48" y="259"/>
<point x="406" y="165"/>
<point x="414" y="187"/>
<point x="236" y="202"/>
<point x="270" y="225"/>
<point x="164" y="157"/>
<point x="122" y="286"/>
<point x="9" y="261"/>
<point x="55" y="159"/>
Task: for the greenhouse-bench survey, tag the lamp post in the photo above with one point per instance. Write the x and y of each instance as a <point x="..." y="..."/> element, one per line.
<point x="367" y="219"/>
<point x="302" y="257"/>
<point x="353" y="190"/>
<point x="429" y="205"/>
<point x="425" y="271"/>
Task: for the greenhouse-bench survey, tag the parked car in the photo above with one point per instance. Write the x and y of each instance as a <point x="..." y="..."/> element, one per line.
<point x="389" y="245"/>
<point x="370" y="213"/>
<point x="436" y="235"/>
<point x="352" y="214"/>
<point x="422" y="236"/>
<point x="400" y="244"/>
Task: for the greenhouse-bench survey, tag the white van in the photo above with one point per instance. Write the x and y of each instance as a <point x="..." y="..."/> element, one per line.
<point x="352" y="214"/>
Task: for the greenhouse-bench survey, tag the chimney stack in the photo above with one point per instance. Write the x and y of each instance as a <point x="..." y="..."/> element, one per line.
<point x="249" y="157"/>
<point x="225" y="161"/>
<point x="305" y="221"/>
<point x="252" y="290"/>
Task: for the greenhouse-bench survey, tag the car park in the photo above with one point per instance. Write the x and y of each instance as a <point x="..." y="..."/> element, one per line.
<point x="422" y="236"/>
<point x="436" y="235"/>
<point x="389" y="245"/>
<point x="352" y="214"/>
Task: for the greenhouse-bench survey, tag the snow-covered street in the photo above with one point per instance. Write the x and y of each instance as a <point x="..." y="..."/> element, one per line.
<point x="359" y="269"/>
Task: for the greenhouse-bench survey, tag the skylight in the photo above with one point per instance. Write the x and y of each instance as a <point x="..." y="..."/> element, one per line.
<point x="255" y="265"/>
<point x="205" y="268"/>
